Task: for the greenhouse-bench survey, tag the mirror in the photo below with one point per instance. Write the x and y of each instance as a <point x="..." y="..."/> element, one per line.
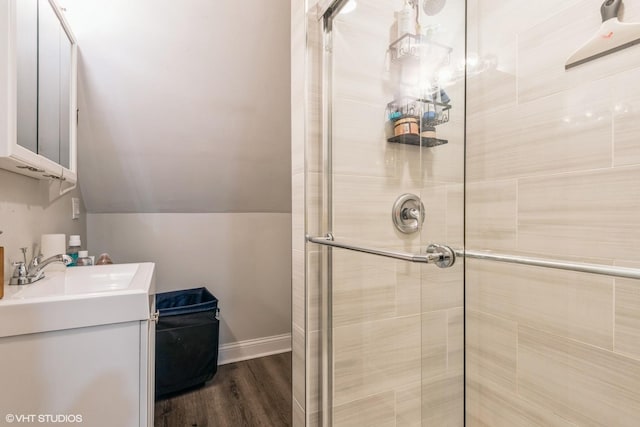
<point x="27" y="75"/>
<point x="43" y="50"/>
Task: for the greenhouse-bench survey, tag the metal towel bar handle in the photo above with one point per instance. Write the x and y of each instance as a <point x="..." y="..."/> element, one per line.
<point x="440" y="255"/>
<point x="443" y="256"/>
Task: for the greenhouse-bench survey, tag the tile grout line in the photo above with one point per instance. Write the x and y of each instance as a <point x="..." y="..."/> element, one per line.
<point x="552" y="333"/>
<point x="613" y="139"/>
<point x="386" y="319"/>
<point x="395" y="290"/>
<point x="544" y="175"/>
<point x="575" y="341"/>
<point x="517" y="358"/>
<point x="517" y="69"/>
<point x="372" y="395"/>
<point x="613" y="321"/>
<point x="446" y="213"/>
<point x="395" y="408"/>
<point x="446" y="367"/>
<point x="517" y="208"/>
<point x="555" y="334"/>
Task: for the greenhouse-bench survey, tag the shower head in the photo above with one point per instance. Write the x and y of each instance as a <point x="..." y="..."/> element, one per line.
<point x="433" y="7"/>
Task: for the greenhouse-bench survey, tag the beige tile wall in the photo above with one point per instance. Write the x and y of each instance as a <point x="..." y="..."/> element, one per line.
<point x="584" y="384"/>
<point x="443" y="401"/>
<point x="627" y="315"/>
<point x="553" y="170"/>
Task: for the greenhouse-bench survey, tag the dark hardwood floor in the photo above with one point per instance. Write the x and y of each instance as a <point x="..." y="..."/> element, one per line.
<point x="252" y="393"/>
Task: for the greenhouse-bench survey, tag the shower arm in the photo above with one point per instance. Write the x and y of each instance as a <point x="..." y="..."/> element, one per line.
<point x="440" y="255"/>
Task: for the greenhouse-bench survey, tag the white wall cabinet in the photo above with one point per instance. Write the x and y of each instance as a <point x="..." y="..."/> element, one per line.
<point x="103" y="374"/>
<point x="38" y="78"/>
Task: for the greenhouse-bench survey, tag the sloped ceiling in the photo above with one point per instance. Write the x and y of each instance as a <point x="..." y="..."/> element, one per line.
<point x="184" y="105"/>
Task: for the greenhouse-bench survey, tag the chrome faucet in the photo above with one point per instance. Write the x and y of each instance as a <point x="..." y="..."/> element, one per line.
<point x="24" y="275"/>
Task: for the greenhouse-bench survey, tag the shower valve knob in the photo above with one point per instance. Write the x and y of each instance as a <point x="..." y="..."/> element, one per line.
<point x="408" y="213"/>
<point x="411" y="213"/>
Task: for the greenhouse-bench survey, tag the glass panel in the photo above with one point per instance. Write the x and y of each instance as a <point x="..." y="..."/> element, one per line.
<point x="65" y="98"/>
<point x="27" y="73"/>
<point x="48" y="83"/>
<point x="396" y="105"/>
<point x="43" y="52"/>
<point x="441" y="46"/>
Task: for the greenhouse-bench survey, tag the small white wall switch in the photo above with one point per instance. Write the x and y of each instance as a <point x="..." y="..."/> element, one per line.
<point x="75" y="208"/>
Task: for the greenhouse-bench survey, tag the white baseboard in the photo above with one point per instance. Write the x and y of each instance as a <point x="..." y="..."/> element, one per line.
<point x="251" y="349"/>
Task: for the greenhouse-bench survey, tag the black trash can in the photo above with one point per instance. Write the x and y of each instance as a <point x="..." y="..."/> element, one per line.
<point x="186" y="340"/>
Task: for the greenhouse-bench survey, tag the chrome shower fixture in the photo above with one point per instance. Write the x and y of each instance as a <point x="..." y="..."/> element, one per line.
<point x="408" y="213"/>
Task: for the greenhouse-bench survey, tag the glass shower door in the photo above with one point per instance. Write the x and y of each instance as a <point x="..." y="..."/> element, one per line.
<point x="394" y="172"/>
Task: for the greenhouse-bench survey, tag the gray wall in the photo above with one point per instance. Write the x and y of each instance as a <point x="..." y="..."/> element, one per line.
<point x="26" y="213"/>
<point x="184" y="147"/>
<point x="184" y="106"/>
<point x="242" y="258"/>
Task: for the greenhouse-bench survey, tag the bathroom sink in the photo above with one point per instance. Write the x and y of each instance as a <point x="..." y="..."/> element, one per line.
<point x="79" y="297"/>
<point x="80" y="280"/>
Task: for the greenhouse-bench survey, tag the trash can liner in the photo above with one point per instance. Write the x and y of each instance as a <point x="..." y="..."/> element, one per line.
<point x="185" y="301"/>
<point x="187" y="336"/>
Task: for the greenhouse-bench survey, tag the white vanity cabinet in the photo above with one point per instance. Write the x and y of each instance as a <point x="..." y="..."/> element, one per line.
<point x="102" y="374"/>
<point x="80" y="344"/>
<point x="38" y="108"/>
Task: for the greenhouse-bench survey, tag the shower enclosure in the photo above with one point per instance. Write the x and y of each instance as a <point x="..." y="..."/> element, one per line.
<point x="466" y="234"/>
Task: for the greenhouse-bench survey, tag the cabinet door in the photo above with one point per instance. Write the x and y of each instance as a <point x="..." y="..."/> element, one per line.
<point x="147" y="370"/>
<point x="27" y="73"/>
<point x="91" y="372"/>
<point x="49" y="78"/>
<point x="44" y="77"/>
<point x="65" y="100"/>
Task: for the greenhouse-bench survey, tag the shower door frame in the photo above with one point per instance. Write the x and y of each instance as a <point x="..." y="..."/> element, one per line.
<point x="326" y="219"/>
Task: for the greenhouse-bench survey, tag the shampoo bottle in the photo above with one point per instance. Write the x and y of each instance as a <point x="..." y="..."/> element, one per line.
<point x="406" y="20"/>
